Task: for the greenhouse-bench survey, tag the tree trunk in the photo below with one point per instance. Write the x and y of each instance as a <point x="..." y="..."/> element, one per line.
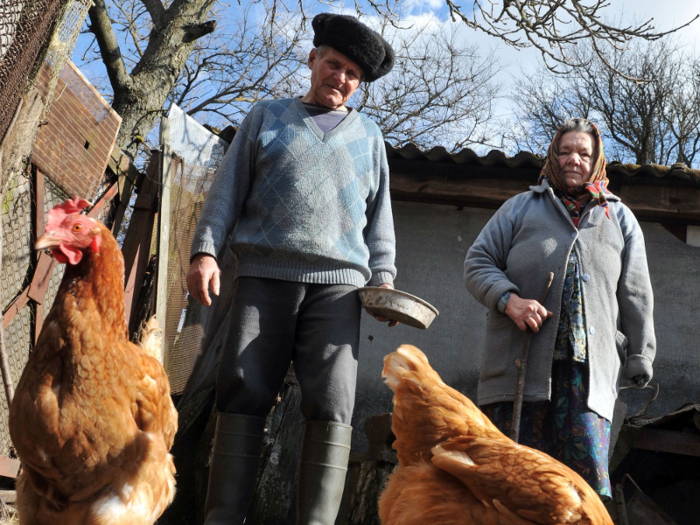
<point x="139" y="96"/>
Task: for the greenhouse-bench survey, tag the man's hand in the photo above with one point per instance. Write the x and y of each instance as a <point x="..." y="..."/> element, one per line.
<point x="526" y="313"/>
<point x="381" y="318"/>
<point x="203" y="272"/>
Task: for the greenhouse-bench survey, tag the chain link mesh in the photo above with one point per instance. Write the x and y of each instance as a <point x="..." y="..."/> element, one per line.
<point x="198" y="154"/>
<point x="62" y="43"/>
<point x="18" y="266"/>
<point x="24" y="28"/>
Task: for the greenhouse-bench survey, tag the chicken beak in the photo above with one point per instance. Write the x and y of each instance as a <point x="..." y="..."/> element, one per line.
<point x="47" y="241"/>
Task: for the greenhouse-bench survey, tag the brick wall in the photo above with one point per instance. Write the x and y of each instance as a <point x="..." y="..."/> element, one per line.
<point x="75" y="141"/>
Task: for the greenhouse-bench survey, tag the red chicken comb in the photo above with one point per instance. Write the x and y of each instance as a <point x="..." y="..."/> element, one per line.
<point x="59" y="213"/>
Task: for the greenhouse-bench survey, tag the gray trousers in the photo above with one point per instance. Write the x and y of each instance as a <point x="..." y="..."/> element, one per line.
<point x="272" y="323"/>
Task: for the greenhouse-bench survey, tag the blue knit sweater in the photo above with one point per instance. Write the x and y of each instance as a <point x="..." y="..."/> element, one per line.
<point x="300" y="205"/>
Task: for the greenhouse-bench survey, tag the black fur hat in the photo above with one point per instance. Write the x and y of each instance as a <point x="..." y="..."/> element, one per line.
<point x="356" y="41"/>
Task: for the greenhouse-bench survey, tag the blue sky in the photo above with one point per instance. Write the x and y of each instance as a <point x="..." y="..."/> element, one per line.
<point x="434" y="12"/>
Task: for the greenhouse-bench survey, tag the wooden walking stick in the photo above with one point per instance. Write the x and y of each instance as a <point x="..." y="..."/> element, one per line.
<point x="521" y="364"/>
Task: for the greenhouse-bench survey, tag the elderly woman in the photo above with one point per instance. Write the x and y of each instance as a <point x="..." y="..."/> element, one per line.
<point x="601" y="302"/>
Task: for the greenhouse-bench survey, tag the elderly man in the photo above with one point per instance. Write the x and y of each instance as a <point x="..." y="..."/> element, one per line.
<point x="302" y="201"/>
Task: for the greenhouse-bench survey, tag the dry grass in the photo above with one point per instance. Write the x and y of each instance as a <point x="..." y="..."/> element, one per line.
<point x="8" y="515"/>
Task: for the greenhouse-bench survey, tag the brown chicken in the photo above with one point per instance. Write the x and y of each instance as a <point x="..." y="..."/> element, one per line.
<point x="456" y="468"/>
<point x="92" y="420"/>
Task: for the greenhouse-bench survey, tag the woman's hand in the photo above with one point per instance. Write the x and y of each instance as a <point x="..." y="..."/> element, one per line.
<point x="526" y="313"/>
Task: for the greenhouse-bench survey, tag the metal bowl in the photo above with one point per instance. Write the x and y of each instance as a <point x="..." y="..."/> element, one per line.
<point x="398" y="306"/>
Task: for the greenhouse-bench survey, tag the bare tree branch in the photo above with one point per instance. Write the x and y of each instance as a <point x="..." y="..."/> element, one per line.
<point x="197" y="31"/>
<point x="156" y="10"/>
<point x="107" y="42"/>
<point x="657" y="122"/>
<point x="552" y="25"/>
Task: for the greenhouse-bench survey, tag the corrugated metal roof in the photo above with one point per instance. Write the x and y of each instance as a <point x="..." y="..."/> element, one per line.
<point x="525" y="159"/>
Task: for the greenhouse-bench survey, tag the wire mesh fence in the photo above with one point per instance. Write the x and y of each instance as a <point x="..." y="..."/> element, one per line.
<point x="24" y="29"/>
<point x="31" y="33"/>
<point x="18" y="262"/>
<point x="198" y="154"/>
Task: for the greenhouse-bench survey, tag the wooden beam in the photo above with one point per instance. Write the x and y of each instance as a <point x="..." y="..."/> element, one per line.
<point x="41" y="278"/>
<point x="38" y="293"/>
<point x="128" y="177"/>
<point x="669" y="441"/>
<point x="126" y="185"/>
<point x="479" y="193"/>
<point x="137" y="241"/>
<point x="163" y="249"/>
<point x="97" y="208"/>
<point x="489" y="187"/>
<point x="15" y="306"/>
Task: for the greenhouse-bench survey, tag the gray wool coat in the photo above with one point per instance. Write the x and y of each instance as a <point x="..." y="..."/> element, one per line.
<point x="531" y="235"/>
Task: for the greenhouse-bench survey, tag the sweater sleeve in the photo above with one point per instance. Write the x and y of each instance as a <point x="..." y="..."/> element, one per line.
<point x="636" y="300"/>
<point x="379" y="232"/>
<point x="227" y="194"/>
<point x="486" y="259"/>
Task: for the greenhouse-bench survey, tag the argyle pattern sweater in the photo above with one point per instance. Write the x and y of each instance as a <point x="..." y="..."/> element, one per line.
<point x="301" y="205"/>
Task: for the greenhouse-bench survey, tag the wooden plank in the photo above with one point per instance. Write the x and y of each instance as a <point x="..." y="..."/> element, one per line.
<point x="128" y="177"/>
<point x="670" y="441"/>
<point x="38" y="293"/>
<point x="485" y="187"/>
<point x="480" y="193"/>
<point x="97" y="208"/>
<point x="42" y="277"/>
<point x="9" y="467"/>
<point x="39" y="193"/>
<point x="662" y="203"/>
<point x="137" y="241"/>
<point x="15" y="306"/>
<point x="126" y="185"/>
<point x="163" y="250"/>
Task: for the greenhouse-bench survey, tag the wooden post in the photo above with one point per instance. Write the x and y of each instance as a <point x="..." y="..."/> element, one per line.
<point x="137" y="241"/>
<point x="4" y="365"/>
<point x="163" y="230"/>
<point x="39" y="227"/>
<point x="521" y="364"/>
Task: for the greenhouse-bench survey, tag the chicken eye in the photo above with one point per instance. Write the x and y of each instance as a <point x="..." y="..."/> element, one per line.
<point x="77" y="227"/>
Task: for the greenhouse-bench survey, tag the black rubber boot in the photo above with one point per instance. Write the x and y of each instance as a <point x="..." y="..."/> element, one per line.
<point x="234" y="468"/>
<point x="324" y="464"/>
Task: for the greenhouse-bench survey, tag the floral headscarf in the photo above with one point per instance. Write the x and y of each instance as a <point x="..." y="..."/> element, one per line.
<point x="596" y="185"/>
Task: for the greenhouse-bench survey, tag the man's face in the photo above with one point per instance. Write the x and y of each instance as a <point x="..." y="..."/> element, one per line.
<point x="334" y="78"/>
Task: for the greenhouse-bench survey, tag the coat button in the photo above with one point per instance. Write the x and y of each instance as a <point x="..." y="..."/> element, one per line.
<point x="591" y="330"/>
<point x="573" y="235"/>
<point x="586" y="277"/>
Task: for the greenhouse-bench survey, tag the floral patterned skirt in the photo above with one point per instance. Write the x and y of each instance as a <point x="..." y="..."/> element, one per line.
<point x="565" y="428"/>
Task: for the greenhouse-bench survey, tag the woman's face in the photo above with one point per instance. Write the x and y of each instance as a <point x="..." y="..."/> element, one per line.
<point x="576" y="157"/>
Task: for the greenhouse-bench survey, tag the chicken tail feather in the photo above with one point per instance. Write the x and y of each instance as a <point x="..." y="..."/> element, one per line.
<point x="151" y="340"/>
